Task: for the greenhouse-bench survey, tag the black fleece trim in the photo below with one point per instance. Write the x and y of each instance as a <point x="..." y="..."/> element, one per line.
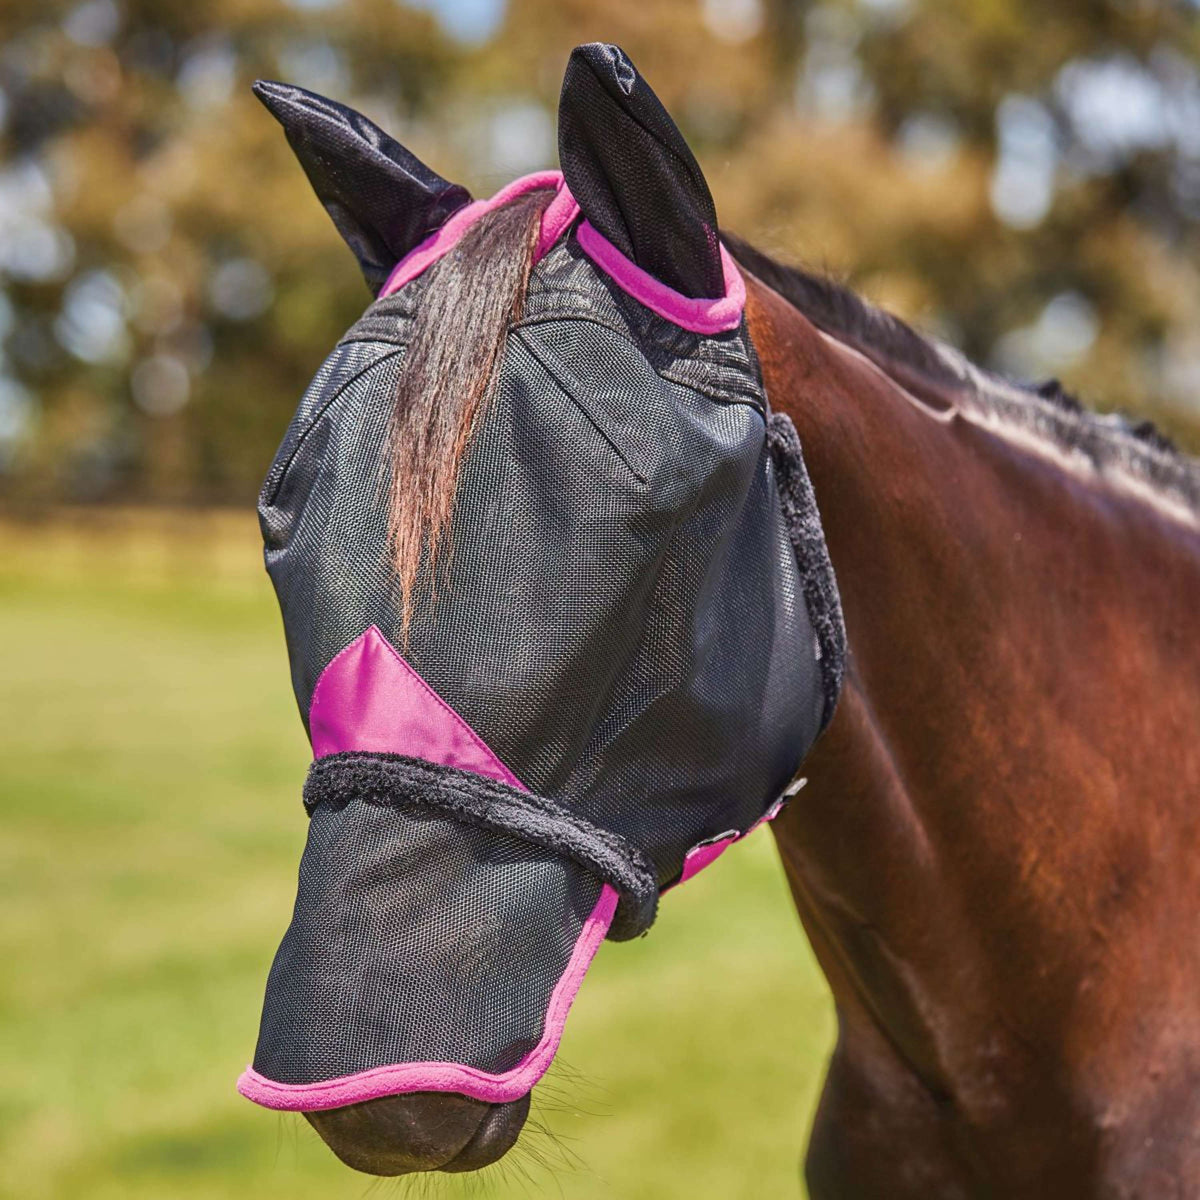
<point x="803" y="522"/>
<point x="396" y="779"/>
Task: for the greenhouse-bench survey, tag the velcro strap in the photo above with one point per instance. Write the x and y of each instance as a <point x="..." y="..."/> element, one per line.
<point x="489" y="804"/>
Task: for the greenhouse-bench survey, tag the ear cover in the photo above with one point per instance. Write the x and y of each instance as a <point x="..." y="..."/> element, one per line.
<point x="382" y="199"/>
<point x="633" y="175"/>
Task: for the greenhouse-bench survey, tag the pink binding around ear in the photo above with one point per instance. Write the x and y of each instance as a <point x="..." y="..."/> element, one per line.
<point x="718" y="315"/>
<point x="559" y="214"/>
<point x="708" y="316"/>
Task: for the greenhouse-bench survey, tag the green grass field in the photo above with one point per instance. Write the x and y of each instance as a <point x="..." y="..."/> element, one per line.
<point x="150" y="795"/>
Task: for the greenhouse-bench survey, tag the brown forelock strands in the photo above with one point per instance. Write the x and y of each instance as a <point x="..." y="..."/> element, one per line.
<point x="475" y="293"/>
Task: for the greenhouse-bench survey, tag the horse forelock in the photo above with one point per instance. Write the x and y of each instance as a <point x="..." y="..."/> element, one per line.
<point x="450" y="372"/>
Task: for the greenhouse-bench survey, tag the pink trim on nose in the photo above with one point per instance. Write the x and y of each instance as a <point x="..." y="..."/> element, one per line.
<point x="369" y="699"/>
<point x="448" y="1076"/>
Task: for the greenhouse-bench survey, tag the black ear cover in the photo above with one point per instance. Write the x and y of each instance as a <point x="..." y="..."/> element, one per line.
<point x="382" y="199"/>
<point x="633" y="175"/>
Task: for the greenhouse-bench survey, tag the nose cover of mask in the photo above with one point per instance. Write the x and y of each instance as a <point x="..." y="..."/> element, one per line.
<point x="636" y="640"/>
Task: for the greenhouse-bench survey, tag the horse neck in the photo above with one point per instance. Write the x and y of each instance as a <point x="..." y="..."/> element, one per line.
<point x="981" y="852"/>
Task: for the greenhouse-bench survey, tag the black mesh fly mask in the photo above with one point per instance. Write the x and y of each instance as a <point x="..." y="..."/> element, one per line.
<point x="633" y="641"/>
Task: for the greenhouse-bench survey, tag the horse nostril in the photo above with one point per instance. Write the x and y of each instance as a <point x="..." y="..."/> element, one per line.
<point x="420" y="1131"/>
<point x="494" y="1138"/>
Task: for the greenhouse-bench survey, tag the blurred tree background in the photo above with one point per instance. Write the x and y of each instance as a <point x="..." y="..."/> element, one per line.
<point x="1020" y="178"/>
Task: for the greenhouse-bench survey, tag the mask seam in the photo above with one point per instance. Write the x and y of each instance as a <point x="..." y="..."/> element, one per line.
<point x="275" y="482"/>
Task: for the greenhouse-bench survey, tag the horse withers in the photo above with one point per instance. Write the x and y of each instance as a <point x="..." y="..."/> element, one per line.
<point x="563" y="626"/>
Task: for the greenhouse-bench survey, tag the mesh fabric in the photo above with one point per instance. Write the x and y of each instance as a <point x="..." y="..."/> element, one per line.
<point x="622" y="621"/>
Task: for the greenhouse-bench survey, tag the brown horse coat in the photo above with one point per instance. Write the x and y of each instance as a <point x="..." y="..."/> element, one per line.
<point x="997" y="858"/>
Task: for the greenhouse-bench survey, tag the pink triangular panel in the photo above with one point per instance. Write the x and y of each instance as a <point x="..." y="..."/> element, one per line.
<point x="370" y="699"/>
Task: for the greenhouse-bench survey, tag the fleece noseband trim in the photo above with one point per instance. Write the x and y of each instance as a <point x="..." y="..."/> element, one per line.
<point x="396" y="779"/>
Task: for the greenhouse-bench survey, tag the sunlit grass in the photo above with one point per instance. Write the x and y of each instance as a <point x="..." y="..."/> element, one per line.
<point x="149" y="792"/>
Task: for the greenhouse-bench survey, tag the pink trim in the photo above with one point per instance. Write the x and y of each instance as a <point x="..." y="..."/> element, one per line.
<point x="561" y="211"/>
<point x="448" y="1077"/>
<point x="705" y="853"/>
<point x="716" y="315"/>
<point x="556" y="220"/>
<point x="770" y="814"/>
<point x="700" y="316"/>
<point x="369" y="699"/>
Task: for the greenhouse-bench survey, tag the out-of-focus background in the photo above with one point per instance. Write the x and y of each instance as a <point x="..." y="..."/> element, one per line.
<point x="1021" y="178"/>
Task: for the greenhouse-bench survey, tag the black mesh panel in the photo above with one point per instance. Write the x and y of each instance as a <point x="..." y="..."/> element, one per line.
<point x="416" y="938"/>
<point x="622" y="622"/>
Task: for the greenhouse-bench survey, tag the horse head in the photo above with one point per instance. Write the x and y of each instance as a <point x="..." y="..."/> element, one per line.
<point x="559" y="616"/>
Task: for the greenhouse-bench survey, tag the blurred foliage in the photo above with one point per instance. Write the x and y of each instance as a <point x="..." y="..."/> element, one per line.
<point x="1022" y="179"/>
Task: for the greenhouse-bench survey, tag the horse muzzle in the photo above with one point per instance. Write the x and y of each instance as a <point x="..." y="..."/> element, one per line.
<point x="421" y="1131"/>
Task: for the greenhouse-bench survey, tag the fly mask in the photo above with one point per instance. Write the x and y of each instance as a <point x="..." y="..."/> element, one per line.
<point x="633" y="640"/>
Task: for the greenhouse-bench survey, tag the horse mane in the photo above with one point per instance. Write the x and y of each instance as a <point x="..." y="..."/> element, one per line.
<point x="451" y="366"/>
<point x="476" y="292"/>
<point x="1112" y="444"/>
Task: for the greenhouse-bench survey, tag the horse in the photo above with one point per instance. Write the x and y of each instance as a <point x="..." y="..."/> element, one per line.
<point x="996" y="856"/>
